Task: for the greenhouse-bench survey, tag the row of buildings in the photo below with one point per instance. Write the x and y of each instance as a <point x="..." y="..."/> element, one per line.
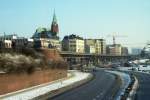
<point x="13" y="41"/>
<point x="74" y="43"/>
<point x="71" y="43"/>
<point x="48" y="38"/>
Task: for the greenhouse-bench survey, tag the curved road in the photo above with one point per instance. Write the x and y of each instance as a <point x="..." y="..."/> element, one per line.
<point x="143" y="92"/>
<point x="100" y="88"/>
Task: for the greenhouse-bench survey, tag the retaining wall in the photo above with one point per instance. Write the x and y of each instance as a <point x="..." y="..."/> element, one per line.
<point x="14" y="82"/>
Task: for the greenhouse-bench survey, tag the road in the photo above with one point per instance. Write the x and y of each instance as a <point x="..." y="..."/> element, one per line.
<point x="143" y="92"/>
<point x="100" y="88"/>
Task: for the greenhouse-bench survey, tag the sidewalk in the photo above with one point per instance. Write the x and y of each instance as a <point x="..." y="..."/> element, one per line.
<point x="33" y="92"/>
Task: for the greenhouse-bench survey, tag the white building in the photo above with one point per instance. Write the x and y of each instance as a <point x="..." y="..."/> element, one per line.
<point x="7" y="44"/>
<point x="73" y="43"/>
<point x="49" y="43"/>
<point x="76" y="45"/>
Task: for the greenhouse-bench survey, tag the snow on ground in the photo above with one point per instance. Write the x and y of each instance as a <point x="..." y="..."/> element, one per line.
<point x="40" y="90"/>
<point x="140" y="68"/>
<point x="124" y="68"/>
<point x="125" y="82"/>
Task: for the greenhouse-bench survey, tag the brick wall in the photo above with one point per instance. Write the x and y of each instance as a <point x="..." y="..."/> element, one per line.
<point x="13" y="82"/>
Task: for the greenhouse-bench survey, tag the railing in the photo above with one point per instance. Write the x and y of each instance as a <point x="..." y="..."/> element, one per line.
<point x="90" y="54"/>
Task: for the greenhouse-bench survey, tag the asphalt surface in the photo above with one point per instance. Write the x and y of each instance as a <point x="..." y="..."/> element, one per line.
<point x="100" y="88"/>
<point x="143" y="92"/>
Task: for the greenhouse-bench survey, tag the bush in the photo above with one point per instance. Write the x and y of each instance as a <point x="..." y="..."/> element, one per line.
<point x="12" y="63"/>
<point x="28" y="61"/>
<point x="57" y="64"/>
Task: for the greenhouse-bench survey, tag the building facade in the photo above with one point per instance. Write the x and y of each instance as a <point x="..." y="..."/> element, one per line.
<point x="45" y="38"/>
<point x="114" y="49"/>
<point x="136" y="51"/>
<point x="73" y="43"/>
<point x="124" y="51"/>
<point x="12" y="41"/>
<point x="103" y="46"/>
<point x="90" y="49"/>
<point x="97" y="46"/>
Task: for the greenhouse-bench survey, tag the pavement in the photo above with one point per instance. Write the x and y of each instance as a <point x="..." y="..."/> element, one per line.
<point x="34" y="92"/>
<point x="100" y="88"/>
<point x="143" y="78"/>
<point x="125" y="80"/>
<point x="104" y="86"/>
<point x="143" y="92"/>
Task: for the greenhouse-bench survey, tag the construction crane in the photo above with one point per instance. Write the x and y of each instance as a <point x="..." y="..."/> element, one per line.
<point x="114" y="37"/>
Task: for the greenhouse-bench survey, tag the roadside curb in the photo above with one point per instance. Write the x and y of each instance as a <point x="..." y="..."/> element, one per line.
<point x="123" y="86"/>
<point x="133" y="91"/>
<point x="62" y="90"/>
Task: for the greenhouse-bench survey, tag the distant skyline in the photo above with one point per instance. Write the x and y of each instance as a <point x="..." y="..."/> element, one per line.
<point x="87" y="18"/>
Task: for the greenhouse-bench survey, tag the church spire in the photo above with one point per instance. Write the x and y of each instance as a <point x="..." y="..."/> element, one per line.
<point x="54" y="25"/>
<point x="54" y="18"/>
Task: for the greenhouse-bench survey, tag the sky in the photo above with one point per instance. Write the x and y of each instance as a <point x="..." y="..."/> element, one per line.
<point x="128" y="19"/>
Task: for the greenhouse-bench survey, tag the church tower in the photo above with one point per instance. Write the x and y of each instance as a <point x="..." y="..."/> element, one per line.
<point x="54" y="25"/>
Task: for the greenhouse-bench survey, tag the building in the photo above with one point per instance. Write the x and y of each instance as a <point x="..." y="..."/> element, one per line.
<point x="117" y="49"/>
<point x="12" y="41"/>
<point x="30" y="43"/>
<point x="54" y="25"/>
<point x="92" y="46"/>
<point x="97" y="46"/>
<point x="90" y="49"/>
<point x="114" y="49"/>
<point x="124" y="51"/>
<point x="6" y="41"/>
<point x="20" y="42"/>
<point x="6" y="44"/>
<point x="103" y="46"/>
<point x="73" y="43"/>
<point x="136" y="51"/>
<point x="45" y="38"/>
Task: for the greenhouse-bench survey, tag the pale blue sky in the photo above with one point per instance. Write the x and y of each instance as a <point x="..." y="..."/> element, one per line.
<point x="87" y="18"/>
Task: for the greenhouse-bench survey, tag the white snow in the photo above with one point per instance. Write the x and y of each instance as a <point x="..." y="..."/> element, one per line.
<point x="140" y="68"/>
<point x="125" y="68"/>
<point x="40" y="90"/>
<point x="125" y="78"/>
